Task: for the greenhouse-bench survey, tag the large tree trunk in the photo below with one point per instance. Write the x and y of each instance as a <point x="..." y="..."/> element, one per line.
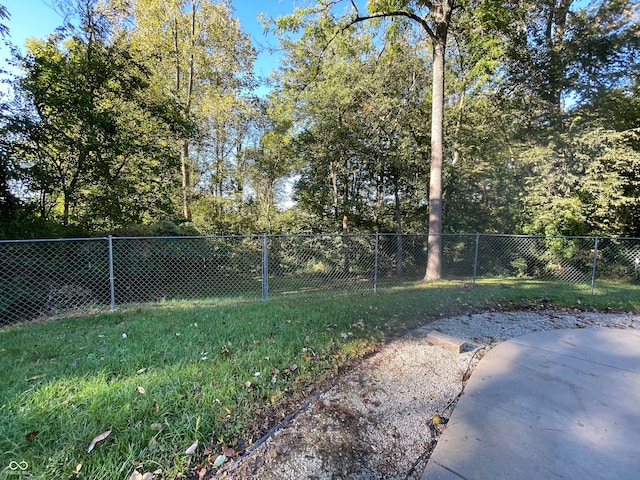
<point x="440" y="14"/>
<point x="434" y="249"/>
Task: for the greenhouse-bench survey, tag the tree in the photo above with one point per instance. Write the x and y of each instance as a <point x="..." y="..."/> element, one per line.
<point x="91" y="135"/>
<point x="571" y="71"/>
<point x="199" y="54"/>
<point x="9" y="202"/>
<point x="434" y="19"/>
<point x="270" y="162"/>
<point x="358" y="134"/>
<point x="481" y="186"/>
<point x="562" y="52"/>
<point x="435" y="22"/>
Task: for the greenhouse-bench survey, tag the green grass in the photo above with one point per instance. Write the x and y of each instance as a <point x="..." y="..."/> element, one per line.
<point x="162" y="378"/>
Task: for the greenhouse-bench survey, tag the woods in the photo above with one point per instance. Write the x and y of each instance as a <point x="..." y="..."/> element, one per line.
<point x="399" y="116"/>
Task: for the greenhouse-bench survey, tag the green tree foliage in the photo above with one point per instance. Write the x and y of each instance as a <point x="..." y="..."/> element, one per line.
<point x="360" y="140"/>
<point x="480" y="192"/>
<point x="89" y="138"/>
<point x="271" y="161"/>
<point x="492" y="116"/>
<point x="198" y="53"/>
<point x="429" y="25"/>
<point x="571" y="84"/>
<point x="563" y="51"/>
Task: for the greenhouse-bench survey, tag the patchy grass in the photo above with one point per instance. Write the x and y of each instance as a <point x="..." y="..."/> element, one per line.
<point x="160" y="379"/>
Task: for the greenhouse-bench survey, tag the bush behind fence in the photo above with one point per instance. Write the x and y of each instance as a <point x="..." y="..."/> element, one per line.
<point x="45" y="278"/>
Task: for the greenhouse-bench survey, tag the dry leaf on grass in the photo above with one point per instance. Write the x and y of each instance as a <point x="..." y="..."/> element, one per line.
<point x="146" y="476"/>
<point x="191" y="450"/>
<point x="98" y="439"/>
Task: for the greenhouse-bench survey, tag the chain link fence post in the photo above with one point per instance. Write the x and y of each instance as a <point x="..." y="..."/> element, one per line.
<point x="475" y="260"/>
<point x="112" y="288"/>
<point x="595" y="266"/>
<point x="375" y="263"/>
<point x="265" y="269"/>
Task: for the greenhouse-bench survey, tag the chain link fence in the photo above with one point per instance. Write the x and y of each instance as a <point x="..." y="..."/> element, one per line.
<point x="48" y="278"/>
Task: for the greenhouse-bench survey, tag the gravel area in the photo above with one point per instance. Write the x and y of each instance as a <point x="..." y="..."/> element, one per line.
<point x="382" y="419"/>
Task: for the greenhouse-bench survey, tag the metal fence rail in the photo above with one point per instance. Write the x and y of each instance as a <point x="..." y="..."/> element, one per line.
<point x="45" y="278"/>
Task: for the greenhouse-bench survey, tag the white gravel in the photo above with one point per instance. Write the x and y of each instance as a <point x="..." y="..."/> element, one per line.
<point x="376" y="422"/>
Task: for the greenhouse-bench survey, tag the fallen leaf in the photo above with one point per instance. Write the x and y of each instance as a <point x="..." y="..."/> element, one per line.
<point x="191" y="450"/>
<point x="247" y="384"/>
<point x="228" y="451"/>
<point x="138" y="476"/>
<point x="141" y="371"/>
<point x="35" y="377"/>
<point x="438" y="420"/>
<point x="293" y="367"/>
<point x="141" y="390"/>
<point x="78" y="468"/>
<point x="29" y="437"/>
<point x="98" y="439"/>
<point x="156" y="407"/>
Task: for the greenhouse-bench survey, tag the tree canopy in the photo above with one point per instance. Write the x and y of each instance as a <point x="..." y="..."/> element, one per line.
<point x="404" y="116"/>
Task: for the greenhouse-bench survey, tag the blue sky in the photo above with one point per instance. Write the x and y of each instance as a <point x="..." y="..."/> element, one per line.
<point x="34" y="18"/>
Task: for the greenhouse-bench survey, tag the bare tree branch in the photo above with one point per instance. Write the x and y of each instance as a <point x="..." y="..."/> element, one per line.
<point x="399" y="13"/>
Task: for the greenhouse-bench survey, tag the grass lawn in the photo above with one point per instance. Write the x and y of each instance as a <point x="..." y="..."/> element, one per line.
<point x="155" y="381"/>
